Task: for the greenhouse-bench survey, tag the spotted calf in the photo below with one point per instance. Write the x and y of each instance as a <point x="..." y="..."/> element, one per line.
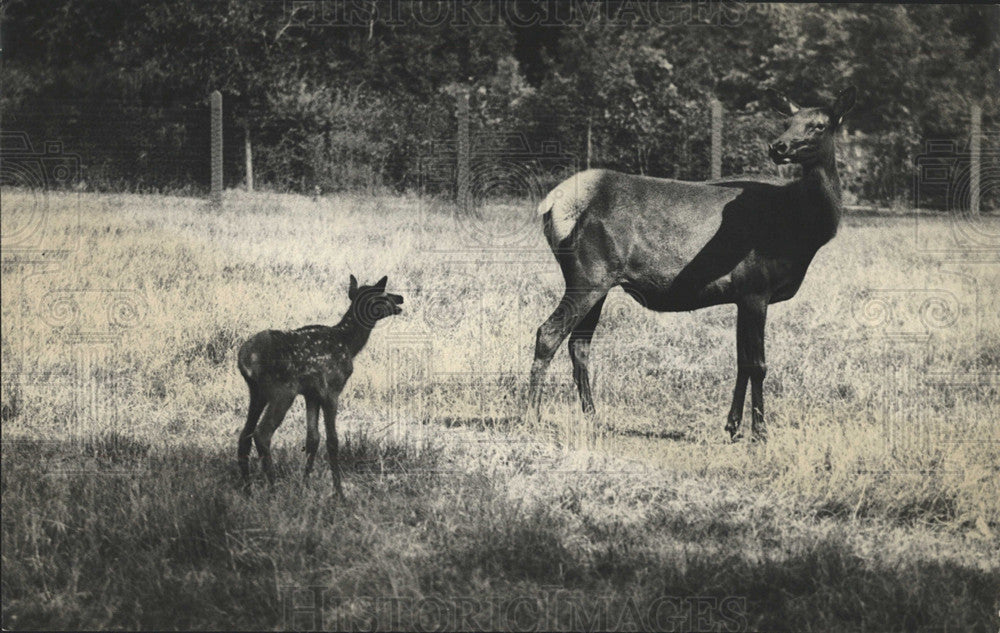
<point x="314" y="361"/>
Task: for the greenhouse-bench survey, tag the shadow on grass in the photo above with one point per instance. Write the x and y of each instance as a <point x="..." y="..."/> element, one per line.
<point x="110" y="531"/>
<point x="818" y="583"/>
<point x="511" y="423"/>
<point x="501" y="423"/>
<point x="169" y="542"/>
<point x="669" y="434"/>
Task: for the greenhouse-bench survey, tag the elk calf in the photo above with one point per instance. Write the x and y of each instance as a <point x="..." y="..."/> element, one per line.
<point x="314" y="361"/>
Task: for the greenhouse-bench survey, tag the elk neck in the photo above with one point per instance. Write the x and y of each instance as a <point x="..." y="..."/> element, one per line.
<point x="821" y="186"/>
<point x="352" y="331"/>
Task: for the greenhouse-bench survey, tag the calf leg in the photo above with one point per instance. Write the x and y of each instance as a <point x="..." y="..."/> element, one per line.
<point x="276" y="410"/>
<point x="257" y="404"/>
<point x="312" y="433"/>
<point x="332" y="445"/>
<point x="579" y="353"/>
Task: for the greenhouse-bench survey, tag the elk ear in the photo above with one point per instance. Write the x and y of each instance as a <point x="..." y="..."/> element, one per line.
<point x="843" y="104"/>
<point x="780" y="103"/>
<point x="382" y="282"/>
<point x="352" y="290"/>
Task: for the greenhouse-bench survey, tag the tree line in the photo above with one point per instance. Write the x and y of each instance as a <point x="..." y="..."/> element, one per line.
<point x="357" y="94"/>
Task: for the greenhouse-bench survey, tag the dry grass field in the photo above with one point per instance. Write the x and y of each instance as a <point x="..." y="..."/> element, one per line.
<point x="875" y="506"/>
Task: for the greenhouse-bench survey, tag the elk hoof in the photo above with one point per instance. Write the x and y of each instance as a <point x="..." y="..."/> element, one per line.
<point x="735" y="434"/>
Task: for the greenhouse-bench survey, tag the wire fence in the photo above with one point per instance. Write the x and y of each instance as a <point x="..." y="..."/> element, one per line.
<point x="449" y="147"/>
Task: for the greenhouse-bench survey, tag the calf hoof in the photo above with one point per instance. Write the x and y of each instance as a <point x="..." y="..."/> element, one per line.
<point x="759" y="435"/>
<point x="530" y="418"/>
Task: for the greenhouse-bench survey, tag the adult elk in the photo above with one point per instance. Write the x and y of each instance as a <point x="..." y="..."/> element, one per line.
<point x="680" y="246"/>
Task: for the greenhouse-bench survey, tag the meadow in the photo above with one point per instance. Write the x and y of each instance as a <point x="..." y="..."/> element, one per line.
<point x="874" y="506"/>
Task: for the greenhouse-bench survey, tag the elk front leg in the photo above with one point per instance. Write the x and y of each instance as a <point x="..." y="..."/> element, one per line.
<point x="312" y="434"/>
<point x="571" y="310"/>
<point x="276" y="410"/>
<point x="736" y="410"/>
<point x="750" y="320"/>
<point x="332" y="445"/>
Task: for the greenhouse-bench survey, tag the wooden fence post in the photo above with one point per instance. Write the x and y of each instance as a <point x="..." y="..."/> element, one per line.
<point x="975" y="159"/>
<point x="716" y="138"/>
<point x="217" y="147"/>
<point x="462" y="198"/>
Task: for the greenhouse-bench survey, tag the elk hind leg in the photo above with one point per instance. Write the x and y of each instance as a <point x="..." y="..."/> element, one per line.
<point x="579" y="353"/>
<point x="572" y="308"/>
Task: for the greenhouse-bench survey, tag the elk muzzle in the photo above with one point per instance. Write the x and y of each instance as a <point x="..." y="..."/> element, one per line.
<point x="778" y="151"/>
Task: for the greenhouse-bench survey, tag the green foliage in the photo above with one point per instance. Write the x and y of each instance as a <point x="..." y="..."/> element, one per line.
<point x="84" y="71"/>
<point x="338" y="140"/>
<point x="745" y="137"/>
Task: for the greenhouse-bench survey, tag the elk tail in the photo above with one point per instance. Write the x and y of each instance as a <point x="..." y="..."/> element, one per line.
<point x="554" y="216"/>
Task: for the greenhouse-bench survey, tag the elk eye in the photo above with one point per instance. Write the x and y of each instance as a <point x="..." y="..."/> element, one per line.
<point x="820" y="127"/>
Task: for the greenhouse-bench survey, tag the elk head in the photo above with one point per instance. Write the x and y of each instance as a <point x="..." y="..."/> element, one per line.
<point x="809" y="136"/>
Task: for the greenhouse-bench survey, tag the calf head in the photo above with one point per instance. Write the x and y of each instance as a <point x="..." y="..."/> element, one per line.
<point x="372" y="303"/>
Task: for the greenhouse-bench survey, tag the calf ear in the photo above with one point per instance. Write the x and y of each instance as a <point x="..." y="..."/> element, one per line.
<point x="843" y="104"/>
<point x="352" y="290"/>
<point x="382" y="282"/>
<point x="780" y="103"/>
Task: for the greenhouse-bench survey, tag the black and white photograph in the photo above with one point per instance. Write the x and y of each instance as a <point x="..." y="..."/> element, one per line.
<point x="500" y="315"/>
